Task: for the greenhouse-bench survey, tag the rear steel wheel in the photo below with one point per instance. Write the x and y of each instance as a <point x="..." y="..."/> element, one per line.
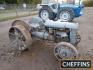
<point x="20" y="37"/>
<point x="22" y="23"/>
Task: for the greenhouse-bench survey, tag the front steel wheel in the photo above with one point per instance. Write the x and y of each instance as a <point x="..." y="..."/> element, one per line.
<point x="64" y="50"/>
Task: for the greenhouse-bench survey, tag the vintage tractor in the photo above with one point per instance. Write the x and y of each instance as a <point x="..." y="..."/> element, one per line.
<point x="65" y="10"/>
<point x="64" y="34"/>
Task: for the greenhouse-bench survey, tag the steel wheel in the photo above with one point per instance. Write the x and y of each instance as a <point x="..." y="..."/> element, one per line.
<point x="65" y="50"/>
<point x="44" y="14"/>
<point x="22" y="23"/>
<point x="64" y="16"/>
<point x="19" y="37"/>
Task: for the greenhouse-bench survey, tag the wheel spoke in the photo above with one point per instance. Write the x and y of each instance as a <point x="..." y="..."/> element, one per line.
<point x="17" y="39"/>
<point x="21" y="45"/>
<point x="12" y="43"/>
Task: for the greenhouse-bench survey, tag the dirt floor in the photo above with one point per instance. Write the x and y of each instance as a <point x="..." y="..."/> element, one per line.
<point x="40" y="56"/>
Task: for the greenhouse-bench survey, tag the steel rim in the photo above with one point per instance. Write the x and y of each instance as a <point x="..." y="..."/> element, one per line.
<point x="64" y="52"/>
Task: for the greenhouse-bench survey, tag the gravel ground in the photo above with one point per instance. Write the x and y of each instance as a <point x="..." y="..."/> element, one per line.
<point x="40" y="56"/>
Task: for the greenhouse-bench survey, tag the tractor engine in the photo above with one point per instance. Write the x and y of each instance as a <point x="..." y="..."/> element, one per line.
<point x="56" y="31"/>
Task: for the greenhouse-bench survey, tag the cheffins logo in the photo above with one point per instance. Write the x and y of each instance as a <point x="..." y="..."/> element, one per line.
<point x="75" y="64"/>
